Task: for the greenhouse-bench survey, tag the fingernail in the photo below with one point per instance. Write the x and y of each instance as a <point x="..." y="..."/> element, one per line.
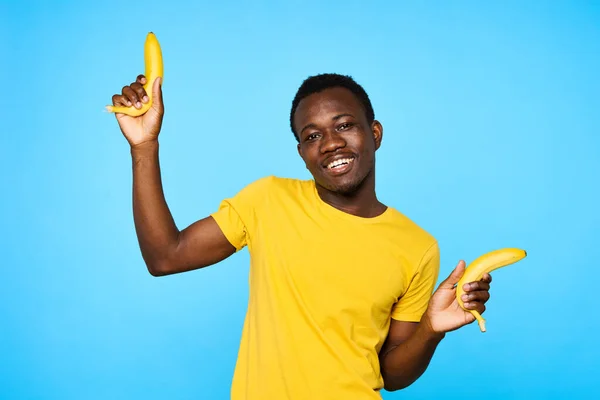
<point x="129" y="103"/>
<point x="465" y="297"/>
<point x="145" y="99"/>
<point x="138" y="104"/>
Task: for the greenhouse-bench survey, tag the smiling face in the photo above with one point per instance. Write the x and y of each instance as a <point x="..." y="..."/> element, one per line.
<point x="336" y="141"/>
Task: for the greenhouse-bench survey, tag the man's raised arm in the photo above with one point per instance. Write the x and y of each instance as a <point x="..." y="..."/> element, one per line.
<point x="166" y="250"/>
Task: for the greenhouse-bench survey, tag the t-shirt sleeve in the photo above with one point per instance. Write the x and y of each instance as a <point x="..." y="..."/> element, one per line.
<point x="412" y="305"/>
<point x="237" y="216"/>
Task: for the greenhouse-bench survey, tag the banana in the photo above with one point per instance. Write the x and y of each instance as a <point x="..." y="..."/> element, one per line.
<point x="486" y="263"/>
<point x="154" y="69"/>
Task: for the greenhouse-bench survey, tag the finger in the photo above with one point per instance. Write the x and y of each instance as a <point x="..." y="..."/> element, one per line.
<point x="454" y="276"/>
<point x="138" y="88"/>
<point x="473" y="305"/>
<point x="132" y="96"/>
<point x="476" y="285"/>
<point x="120" y="101"/>
<point x="141" y="78"/>
<point x="480" y="296"/>
<point x="487" y="278"/>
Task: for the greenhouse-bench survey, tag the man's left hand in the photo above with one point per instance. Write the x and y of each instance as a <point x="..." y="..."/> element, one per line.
<point x="444" y="314"/>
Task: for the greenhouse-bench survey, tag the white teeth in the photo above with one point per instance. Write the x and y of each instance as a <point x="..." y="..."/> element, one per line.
<point x="339" y="162"/>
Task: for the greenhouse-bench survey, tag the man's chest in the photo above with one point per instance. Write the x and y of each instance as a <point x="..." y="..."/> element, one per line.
<point x="340" y="271"/>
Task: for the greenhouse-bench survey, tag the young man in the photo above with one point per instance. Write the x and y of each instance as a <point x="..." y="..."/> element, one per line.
<point x="341" y="301"/>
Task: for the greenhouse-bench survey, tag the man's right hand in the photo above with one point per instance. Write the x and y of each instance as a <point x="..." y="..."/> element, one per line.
<point x="146" y="127"/>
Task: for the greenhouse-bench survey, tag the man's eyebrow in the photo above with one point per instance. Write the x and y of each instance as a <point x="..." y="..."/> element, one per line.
<point x="342" y="115"/>
<point x="307" y="127"/>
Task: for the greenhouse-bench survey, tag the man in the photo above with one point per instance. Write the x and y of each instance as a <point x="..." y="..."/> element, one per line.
<point x="341" y="285"/>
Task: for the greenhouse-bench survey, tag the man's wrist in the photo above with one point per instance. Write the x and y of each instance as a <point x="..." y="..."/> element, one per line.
<point x="144" y="148"/>
<point x="428" y="332"/>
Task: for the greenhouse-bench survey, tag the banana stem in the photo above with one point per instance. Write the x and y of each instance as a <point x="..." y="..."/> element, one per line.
<point x="480" y="320"/>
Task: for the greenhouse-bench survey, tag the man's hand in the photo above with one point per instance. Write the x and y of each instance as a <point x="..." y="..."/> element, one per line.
<point x="145" y="128"/>
<point x="444" y="314"/>
<point x="409" y="346"/>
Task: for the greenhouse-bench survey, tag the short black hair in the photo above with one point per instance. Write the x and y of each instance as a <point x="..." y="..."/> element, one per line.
<point x="320" y="82"/>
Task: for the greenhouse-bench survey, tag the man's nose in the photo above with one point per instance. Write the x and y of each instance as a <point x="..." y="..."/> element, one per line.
<point x="332" y="141"/>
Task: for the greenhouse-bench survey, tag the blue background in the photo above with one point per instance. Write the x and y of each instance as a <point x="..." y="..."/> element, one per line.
<point x="491" y="124"/>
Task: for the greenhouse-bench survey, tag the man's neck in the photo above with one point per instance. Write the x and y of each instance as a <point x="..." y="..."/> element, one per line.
<point x="362" y="202"/>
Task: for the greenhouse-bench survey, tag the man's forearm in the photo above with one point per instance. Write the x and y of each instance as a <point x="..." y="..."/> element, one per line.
<point x="154" y="224"/>
<point x="405" y="363"/>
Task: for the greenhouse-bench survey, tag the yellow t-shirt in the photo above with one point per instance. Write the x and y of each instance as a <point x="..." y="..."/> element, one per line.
<point x="323" y="286"/>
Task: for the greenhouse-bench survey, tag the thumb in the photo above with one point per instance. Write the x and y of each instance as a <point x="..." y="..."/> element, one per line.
<point x="455" y="276"/>
<point x="157" y="102"/>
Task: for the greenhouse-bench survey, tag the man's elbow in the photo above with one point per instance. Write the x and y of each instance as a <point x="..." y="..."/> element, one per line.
<point x="159" y="268"/>
<point x="395" y="383"/>
<point x="391" y="386"/>
<point x="156" y="272"/>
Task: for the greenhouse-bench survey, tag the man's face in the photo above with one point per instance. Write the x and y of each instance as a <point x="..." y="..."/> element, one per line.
<point x="337" y="143"/>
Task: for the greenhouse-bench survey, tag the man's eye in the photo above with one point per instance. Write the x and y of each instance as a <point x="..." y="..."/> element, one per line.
<point x="312" y="136"/>
<point x="344" y="126"/>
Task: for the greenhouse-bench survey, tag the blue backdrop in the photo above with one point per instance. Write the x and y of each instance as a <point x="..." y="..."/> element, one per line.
<point x="491" y="124"/>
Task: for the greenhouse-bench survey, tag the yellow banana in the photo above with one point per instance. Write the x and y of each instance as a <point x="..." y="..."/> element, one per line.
<point x="486" y="263"/>
<point x="154" y="69"/>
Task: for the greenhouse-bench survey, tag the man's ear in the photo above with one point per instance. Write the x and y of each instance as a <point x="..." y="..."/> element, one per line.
<point x="377" y="129"/>
<point x="301" y="156"/>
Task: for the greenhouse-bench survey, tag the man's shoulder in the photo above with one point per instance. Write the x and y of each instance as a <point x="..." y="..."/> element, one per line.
<point x="268" y="188"/>
<point x="414" y="229"/>
<point x="276" y="182"/>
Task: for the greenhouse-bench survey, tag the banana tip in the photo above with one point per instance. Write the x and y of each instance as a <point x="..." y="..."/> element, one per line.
<point x="482" y="326"/>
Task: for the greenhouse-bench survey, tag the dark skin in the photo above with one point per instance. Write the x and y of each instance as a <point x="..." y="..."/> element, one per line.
<point x="166" y="249"/>
<point x="331" y="125"/>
